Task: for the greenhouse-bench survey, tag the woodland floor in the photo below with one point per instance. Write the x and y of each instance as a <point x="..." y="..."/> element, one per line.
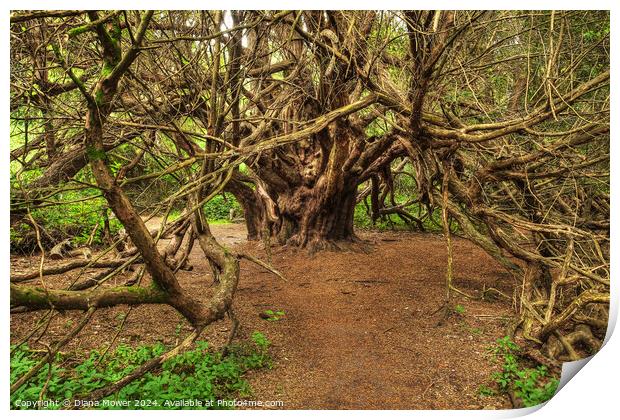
<point x="359" y="330"/>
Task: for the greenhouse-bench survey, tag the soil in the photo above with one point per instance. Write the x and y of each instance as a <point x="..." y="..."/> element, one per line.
<point x="360" y="330"/>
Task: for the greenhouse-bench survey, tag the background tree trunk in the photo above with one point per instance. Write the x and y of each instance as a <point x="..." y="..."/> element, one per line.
<point x="317" y="220"/>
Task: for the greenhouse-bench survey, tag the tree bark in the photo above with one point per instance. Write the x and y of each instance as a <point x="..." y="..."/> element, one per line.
<point x="306" y="195"/>
<point x="316" y="219"/>
<point x="254" y="209"/>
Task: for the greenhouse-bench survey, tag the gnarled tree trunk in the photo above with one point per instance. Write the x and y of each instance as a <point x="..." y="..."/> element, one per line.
<point x="317" y="218"/>
<point x="307" y="198"/>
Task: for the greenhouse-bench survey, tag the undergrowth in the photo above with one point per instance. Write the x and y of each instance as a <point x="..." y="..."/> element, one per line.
<point x="199" y="374"/>
<point x="531" y="385"/>
<point x="219" y="207"/>
<point x="432" y="223"/>
<point x="78" y="215"/>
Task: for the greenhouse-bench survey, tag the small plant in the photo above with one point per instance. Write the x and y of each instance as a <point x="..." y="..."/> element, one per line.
<point x="503" y="346"/>
<point x="476" y="331"/>
<point x="178" y="329"/>
<point x="485" y="391"/>
<point x="532" y="385"/>
<point x="261" y="341"/>
<point x="271" y="315"/>
<point x="459" y="309"/>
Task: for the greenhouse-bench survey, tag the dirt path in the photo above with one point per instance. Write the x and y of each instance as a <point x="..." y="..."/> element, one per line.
<point x="358" y="331"/>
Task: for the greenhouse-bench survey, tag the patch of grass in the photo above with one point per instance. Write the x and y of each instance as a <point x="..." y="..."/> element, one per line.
<point x="197" y="374"/>
<point x="532" y="385"/>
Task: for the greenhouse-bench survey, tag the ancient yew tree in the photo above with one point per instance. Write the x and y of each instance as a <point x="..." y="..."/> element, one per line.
<point x="501" y="120"/>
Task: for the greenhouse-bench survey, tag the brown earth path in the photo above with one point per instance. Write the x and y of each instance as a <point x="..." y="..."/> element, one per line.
<point x="359" y="329"/>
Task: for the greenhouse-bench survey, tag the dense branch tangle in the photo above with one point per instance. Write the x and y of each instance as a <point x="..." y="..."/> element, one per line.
<point x="532" y="184"/>
<point x="300" y="115"/>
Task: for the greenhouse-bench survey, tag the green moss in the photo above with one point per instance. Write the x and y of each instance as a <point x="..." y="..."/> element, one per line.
<point x="94" y="154"/>
<point x="78" y="31"/>
<point x="107" y="69"/>
<point x="99" y="97"/>
<point x="115" y="35"/>
<point x="145" y="293"/>
<point x="30" y="295"/>
<point x="115" y="30"/>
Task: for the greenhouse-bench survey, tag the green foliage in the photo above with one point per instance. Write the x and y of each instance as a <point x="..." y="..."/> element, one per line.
<point x="361" y="218"/>
<point x="504" y="346"/>
<point x="533" y="385"/>
<point x="405" y="190"/>
<point x="75" y="215"/>
<point x="218" y="208"/>
<point x="432" y="223"/>
<point x="197" y="374"/>
<point x="459" y="309"/>
<point x="485" y="391"/>
<point x="261" y="341"/>
<point x="274" y="315"/>
<point x="595" y="35"/>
